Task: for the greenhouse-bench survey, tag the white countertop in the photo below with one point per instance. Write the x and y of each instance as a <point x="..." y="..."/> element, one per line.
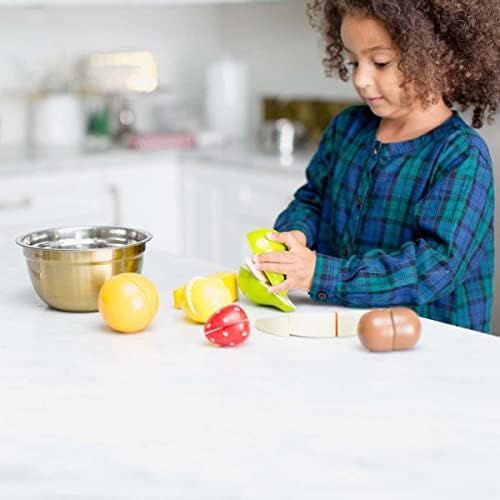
<point x="89" y="414"/>
<point x="245" y="156"/>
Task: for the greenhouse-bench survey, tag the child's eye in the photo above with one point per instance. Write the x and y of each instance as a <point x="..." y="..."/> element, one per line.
<point x="353" y="64"/>
<point x="381" y="65"/>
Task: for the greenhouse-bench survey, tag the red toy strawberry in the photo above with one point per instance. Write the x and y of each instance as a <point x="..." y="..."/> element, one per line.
<point x="228" y="326"/>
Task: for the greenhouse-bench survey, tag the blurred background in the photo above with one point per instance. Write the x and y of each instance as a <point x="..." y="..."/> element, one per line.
<point x="194" y="119"/>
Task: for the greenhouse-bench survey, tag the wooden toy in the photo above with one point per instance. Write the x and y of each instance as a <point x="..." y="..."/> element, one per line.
<point x="259" y="243"/>
<point x="203" y="296"/>
<point x="228" y="327"/>
<point x="229" y="279"/>
<point x="255" y="286"/>
<point x="394" y="329"/>
<point x="379" y="330"/>
<point x="319" y="325"/>
<point x="128" y="302"/>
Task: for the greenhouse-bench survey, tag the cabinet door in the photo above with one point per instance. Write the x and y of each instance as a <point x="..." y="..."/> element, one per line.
<point x="148" y="198"/>
<point x="203" y="206"/>
<point x="256" y="200"/>
<point x="51" y="200"/>
<point x="222" y="204"/>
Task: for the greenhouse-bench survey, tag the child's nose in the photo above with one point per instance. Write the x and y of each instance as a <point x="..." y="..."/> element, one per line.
<point x="362" y="78"/>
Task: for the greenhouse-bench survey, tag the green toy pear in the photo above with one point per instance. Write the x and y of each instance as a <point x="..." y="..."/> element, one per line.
<point x="259" y="243"/>
<point x="258" y="291"/>
<point x="255" y="284"/>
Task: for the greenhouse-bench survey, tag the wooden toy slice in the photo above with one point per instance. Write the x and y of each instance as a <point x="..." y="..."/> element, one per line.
<point x="275" y="325"/>
<point x="347" y="322"/>
<point x="313" y="325"/>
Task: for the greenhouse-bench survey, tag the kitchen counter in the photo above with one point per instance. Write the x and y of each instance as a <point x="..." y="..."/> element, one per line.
<point x="89" y="414"/>
<point x="240" y="156"/>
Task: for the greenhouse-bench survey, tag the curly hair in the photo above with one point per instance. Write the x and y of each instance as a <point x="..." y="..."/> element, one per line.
<point x="449" y="48"/>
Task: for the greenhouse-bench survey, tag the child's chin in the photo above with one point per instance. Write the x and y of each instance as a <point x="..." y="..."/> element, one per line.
<point x="381" y="111"/>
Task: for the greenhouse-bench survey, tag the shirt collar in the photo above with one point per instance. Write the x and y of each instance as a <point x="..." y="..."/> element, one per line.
<point x="404" y="147"/>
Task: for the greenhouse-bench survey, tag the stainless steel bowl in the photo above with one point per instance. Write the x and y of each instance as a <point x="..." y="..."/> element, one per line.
<point x="68" y="265"/>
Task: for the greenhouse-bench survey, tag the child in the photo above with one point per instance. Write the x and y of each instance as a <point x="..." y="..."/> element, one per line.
<point x="399" y="202"/>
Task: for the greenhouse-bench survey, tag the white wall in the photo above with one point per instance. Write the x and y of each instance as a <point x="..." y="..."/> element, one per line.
<point x="283" y="51"/>
<point x="36" y="43"/>
<point x="31" y="40"/>
<point x="281" y="47"/>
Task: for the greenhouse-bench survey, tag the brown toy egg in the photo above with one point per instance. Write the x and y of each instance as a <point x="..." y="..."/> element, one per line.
<point x="395" y="329"/>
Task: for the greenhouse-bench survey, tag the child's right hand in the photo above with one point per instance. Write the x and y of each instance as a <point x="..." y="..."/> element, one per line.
<point x="297" y="263"/>
<point x="300" y="236"/>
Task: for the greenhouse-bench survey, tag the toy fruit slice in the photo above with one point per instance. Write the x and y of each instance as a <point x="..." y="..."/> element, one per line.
<point x="178" y="295"/>
<point x="227" y="277"/>
<point x="259" y="243"/>
<point x="204" y="296"/>
<point x="258" y="291"/>
<point x="230" y="281"/>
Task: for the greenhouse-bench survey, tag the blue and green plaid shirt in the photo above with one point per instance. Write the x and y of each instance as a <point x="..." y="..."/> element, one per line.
<point x="407" y="223"/>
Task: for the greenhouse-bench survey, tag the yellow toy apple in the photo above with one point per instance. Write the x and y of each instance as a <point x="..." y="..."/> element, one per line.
<point x="128" y="302"/>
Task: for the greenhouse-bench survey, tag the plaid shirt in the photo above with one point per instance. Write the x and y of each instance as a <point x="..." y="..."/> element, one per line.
<point x="407" y="223"/>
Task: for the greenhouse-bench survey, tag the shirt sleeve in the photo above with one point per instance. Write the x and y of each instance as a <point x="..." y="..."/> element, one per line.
<point x="453" y="222"/>
<point x="304" y="212"/>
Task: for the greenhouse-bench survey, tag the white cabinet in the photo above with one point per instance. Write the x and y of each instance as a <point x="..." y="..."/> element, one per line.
<point x="193" y="207"/>
<point x="52" y="199"/>
<point x="222" y="204"/>
<point x="141" y="194"/>
<point x="148" y="197"/>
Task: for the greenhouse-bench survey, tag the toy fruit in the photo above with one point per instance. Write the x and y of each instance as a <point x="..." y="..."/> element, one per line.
<point x="227" y="277"/>
<point x="203" y="296"/>
<point x="254" y="285"/>
<point x="228" y="327"/>
<point x="259" y="243"/>
<point x="128" y="302"/>
<point x="396" y="329"/>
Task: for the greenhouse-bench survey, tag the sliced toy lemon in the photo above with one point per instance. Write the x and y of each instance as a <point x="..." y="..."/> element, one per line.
<point x="229" y="279"/>
<point x="203" y="296"/>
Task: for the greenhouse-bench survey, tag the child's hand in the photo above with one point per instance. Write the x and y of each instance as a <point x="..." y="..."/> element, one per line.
<point x="299" y="236"/>
<point x="298" y="263"/>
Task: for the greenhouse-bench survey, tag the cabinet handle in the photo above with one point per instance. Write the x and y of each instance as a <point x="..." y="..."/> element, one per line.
<point x="21" y="203"/>
<point x="115" y="196"/>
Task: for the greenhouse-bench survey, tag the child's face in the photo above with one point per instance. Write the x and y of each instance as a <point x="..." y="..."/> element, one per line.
<point x="374" y="60"/>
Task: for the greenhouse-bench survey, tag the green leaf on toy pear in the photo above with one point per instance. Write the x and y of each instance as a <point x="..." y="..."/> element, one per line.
<point x="259" y="243"/>
<point x="258" y="292"/>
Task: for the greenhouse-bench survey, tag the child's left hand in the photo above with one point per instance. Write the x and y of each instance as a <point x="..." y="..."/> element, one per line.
<point x="297" y="263"/>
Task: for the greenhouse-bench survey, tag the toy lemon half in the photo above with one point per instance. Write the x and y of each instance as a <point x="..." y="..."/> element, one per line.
<point x="255" y="286"/>
<point x="229" y="279"/>
<point x="203" y="296"/>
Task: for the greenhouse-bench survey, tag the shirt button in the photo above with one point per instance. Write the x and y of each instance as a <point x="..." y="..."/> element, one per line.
<point x="375" y="151"/>
<point x="322" y="295"/>
<point x="359" y="200"/>
<point x="345" y="251"/>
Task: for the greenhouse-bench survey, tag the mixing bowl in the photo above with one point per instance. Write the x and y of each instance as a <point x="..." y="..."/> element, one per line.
<point x="68" y="265"/>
